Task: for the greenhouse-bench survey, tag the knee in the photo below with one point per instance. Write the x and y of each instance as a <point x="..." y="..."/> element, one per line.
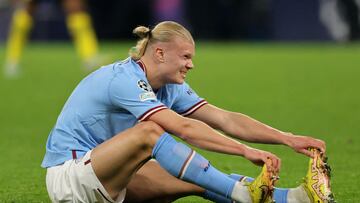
<point x="151" y="131"/>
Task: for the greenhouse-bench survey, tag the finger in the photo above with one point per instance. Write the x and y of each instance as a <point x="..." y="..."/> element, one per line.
<point x="269" y="164"/>
<point x="320" y="147"/>
<point x="319" y="144"/>
<point x="323" y="147"/>
<point x="275" y="164"/>
<point x="307" y="153"/>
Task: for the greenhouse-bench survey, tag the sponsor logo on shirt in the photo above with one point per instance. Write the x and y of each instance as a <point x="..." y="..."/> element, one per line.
<point x="147" y="96"/>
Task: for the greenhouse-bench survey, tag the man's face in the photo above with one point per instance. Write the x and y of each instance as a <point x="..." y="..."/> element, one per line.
<point x="178" y="56"/>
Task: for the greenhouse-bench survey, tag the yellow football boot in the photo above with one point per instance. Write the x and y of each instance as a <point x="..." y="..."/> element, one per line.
<point x="317" y="180"/>
<point x="262" y="188"/>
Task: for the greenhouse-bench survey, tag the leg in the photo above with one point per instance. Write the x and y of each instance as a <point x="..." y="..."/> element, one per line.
<point x="152" y="183"/>
<point x="184" y="163"/>
<point x="131" y="149"/>
<point x="80" y="27"/>
<point x="20" y="26"/>
<point x="116" y="161"/>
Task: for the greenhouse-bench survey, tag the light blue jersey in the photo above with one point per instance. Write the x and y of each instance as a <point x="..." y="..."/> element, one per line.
<point x="108" y="101"/>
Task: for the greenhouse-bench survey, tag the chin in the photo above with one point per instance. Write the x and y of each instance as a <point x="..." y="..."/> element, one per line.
<point x="181" y="81"/>
<point x="177" y="81"/>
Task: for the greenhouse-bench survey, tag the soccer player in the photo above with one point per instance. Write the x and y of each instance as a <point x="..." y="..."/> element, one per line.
<point x="78" y="22"/>
<point x="112" y="142"/>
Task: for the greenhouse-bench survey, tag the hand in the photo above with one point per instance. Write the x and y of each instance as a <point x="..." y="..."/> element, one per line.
<point x="301" y="144"/>
<point x="259" y="157"/>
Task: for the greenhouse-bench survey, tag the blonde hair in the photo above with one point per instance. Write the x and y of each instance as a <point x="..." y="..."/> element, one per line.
<point x="162" y="32"/>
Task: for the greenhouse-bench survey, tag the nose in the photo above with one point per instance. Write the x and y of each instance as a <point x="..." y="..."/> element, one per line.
<point x="190" y="65"/>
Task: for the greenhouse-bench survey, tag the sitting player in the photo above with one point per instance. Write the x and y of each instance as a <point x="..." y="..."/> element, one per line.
<point x="111" y="142"/>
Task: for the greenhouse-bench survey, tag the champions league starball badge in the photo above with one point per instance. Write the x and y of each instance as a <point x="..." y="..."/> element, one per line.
<point x="144" y="86"/>
<point x="148" y="94"/>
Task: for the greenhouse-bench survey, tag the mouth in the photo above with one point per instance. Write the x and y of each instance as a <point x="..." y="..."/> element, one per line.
<point x="183" y="74"/>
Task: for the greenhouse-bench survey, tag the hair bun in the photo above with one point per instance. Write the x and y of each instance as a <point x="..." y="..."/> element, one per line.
<point x="142" y="31"/>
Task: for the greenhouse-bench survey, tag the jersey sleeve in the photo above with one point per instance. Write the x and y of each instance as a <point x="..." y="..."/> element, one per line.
<point x="187" y="101"/>
<point x="134" y="95"/>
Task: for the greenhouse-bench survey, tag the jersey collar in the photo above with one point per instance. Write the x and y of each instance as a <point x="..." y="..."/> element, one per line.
<point x="142" y="65"/>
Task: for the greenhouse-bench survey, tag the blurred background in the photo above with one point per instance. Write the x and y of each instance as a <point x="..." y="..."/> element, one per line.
<point x="324" y="20"/>
<point x="292" y="64"/>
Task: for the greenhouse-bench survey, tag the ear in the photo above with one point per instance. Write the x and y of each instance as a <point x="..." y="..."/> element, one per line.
<point x="159" y="54"/>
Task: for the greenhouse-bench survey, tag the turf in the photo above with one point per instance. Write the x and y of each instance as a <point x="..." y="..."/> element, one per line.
<point x="309" y="89"/>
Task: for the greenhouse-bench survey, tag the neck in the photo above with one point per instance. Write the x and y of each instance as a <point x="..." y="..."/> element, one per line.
<point x="152" y="74"/>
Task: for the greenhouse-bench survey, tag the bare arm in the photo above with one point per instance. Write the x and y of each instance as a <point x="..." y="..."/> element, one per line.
<point x="201" y="135"/>
<point x="245" y="128"/>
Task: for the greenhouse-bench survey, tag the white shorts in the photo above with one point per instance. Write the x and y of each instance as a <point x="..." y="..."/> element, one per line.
<point x="75" y="181"/>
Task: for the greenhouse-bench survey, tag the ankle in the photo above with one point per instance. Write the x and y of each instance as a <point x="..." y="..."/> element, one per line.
<point x="240" y="192"/>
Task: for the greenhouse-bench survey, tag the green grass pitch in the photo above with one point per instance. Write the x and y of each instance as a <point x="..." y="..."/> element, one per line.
<point x="309" y="89"/>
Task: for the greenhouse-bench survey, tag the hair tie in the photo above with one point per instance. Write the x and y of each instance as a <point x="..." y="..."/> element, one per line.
<point x="148" y="33"/>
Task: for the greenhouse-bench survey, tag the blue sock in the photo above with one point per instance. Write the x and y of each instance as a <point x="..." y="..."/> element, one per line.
<point x="280" y="194"/>
<point x="214" y="197"/>
<point x="241" y="177"/>
<point x="184" y="163"/>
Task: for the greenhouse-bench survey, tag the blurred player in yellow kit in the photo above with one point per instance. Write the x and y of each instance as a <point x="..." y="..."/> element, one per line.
<point x="78" y="23"/>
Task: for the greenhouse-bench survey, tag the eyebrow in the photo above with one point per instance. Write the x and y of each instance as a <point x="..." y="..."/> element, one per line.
<point x="188" y="53"/>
